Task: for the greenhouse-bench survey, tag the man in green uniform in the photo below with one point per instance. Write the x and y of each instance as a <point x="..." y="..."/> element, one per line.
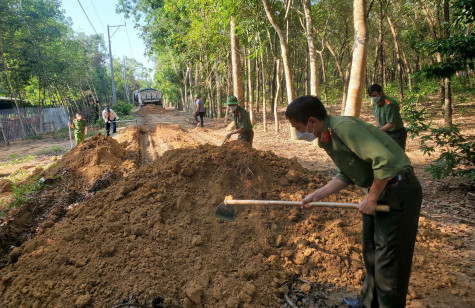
<point x="370" y="159"/>
<point x="388" y="118"/>
<point x="241" y="120"/>
<point x="80" y="128"/>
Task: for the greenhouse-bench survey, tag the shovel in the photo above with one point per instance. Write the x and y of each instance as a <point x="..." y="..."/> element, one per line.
<point x="225" y="210"/>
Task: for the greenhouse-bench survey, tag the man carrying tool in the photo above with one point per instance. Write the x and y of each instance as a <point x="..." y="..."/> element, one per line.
<point x="243" y="125"/>
<point x="109" y="117"/>
<point x="369" y="158"/>
<point x="388" y="118"/>
<point x="80" y="128"/>
<point x="199" y="110"/>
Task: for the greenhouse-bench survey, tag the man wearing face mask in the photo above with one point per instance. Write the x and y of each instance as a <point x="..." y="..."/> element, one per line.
<point x="243" y="125"/>
<point x="388" y="118"/>
<point x="369" y="158"/>
<point x="80" y="128"/>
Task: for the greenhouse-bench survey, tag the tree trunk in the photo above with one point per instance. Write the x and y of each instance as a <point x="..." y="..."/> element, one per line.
<point x="251" y="92"/>
<point x="276" y="97"/>
<point x="358" y="67"/>
<point x="236" y="63"/>
<point x="382" y="72"/>
<point x="447" y="80"/>
<point x="289" y="80"/>
<point x="264" y="119"/>
<point x="398" y="58"/>
<point x="346" y="84"/>
<point x="437" y="54"/>
<point x="258" y="84"/>
<point x="219" y="104"/>
<point x="324" y="73"/>
<point x="312" y="54"/>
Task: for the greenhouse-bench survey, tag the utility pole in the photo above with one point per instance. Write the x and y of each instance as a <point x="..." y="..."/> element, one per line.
<point x="114" y="95"/>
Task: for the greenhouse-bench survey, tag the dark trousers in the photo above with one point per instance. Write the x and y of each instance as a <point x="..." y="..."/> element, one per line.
<point x="400" y="137"/>
<point x="388" y="245"/>
<point x="247" y="136"/>
<point x="201" y="114"/>
<point x="108" y="127"/>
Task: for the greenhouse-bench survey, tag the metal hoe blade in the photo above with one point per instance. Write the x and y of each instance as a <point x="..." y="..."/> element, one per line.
<point x="225" y="212"/>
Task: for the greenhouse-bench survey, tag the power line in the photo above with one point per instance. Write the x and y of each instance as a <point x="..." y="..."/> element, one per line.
<point x="130" y="46"/>
<point x="99" y="17"/>
<point x="87" y="17"/>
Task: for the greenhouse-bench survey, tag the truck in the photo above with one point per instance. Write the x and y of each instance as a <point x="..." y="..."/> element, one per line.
<point x="149" y="96"/>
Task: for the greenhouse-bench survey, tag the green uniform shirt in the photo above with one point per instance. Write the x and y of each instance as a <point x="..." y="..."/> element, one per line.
<point x="388" y="113"/>
<point x="79" y="126"/>
<point x="361" y="151"/>
<point x="241" y="119"/>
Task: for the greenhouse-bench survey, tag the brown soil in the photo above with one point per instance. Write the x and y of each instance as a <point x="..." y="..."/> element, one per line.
<point x="133" y="221"/>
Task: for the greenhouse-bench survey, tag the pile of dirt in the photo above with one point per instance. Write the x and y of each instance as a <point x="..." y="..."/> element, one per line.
<point x="152" y="237"/>
<point x="150" y="108"/>
<point x="95" y="163"/>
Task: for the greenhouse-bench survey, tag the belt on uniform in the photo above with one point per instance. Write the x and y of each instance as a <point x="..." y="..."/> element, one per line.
<point x="401" y="177"/>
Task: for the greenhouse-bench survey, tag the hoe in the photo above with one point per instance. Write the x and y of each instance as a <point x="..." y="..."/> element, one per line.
<point x="225" y="210"/>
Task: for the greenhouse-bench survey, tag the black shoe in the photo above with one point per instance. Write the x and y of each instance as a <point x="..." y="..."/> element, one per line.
<point x="353" y="302"/>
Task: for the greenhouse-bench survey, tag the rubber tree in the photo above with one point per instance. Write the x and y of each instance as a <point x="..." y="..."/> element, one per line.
<point x="357" y="84"/>
<point x="238" y="88"/>
<point x="312" y="52"/>
<point x="289" y="79"/>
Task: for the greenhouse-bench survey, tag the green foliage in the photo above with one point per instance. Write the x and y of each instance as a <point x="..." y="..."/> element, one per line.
<point x="457" y="156"/>
<point x="22" y="193"/>
<point x="54" y="150"/>
<point x="123" y="108"/>
<point x="458" y="50"/>
<point x="457" y="152"/>
<point x="16" y="159"/>
<point x="36" y="137"/>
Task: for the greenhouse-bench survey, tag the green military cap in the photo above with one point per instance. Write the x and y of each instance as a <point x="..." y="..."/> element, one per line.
<point x="232" y="100"/>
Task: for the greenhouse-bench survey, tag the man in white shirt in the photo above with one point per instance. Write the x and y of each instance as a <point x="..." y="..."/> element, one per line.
<point x="109" y="117"/>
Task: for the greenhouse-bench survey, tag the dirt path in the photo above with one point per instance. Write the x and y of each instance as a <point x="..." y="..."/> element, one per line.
<point x="130" y="213"/>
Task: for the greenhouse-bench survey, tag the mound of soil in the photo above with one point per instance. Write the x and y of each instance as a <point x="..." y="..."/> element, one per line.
<point x="150" y="108"/>
<point x="95" y="163"/>
<point x="153" y="237"/>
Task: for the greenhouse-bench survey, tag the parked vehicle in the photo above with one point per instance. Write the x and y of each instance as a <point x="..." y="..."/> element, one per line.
<point x="149" y="96"/>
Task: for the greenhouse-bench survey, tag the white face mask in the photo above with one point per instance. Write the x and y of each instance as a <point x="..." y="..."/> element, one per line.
<point x="233" y="107"/>
<point x="306" y="135"/>
<point x="375" y="99"/>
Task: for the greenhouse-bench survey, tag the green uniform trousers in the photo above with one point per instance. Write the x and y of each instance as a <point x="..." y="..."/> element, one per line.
<point x="79" y="137"/>
<point x="388" y="244"/>
<point x="400" y="137"/>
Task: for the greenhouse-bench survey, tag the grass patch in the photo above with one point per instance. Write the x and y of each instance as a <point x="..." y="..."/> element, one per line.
<point x="16" y="159"/>
<point x="21" y="193"/>
<point x="54" y="150"/>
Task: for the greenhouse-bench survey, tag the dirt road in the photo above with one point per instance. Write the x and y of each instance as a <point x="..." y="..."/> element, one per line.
<point x="130" y="219"/>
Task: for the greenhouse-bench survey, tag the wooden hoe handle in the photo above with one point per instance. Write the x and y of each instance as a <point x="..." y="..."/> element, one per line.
<point x="379" y="208"/>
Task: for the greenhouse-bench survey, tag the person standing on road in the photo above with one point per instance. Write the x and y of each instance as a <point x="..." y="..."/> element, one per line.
<point x="369" y="158"/>
<point x="80" y="128"/>
<point x="387" y="114"/>
<point x="242" y="121"/>
<point x="110" y="117"/>
<point x="199" y="110"/>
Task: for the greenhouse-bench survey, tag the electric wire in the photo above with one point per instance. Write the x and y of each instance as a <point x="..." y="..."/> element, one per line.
<point x="87" y="17"/>
<point x="130" y="45"/>
<point x="98" y="17"/>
